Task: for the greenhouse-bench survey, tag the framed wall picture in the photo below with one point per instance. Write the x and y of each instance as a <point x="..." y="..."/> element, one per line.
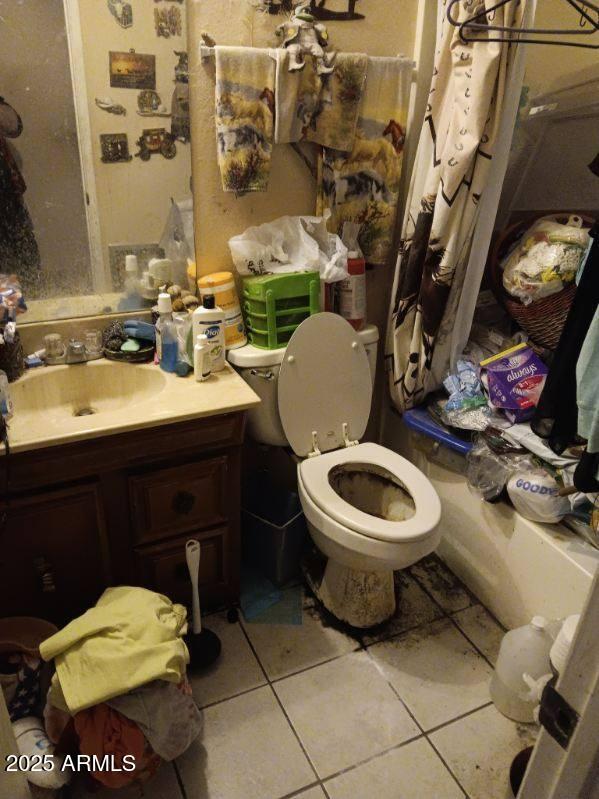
<point x="132" y="70"/>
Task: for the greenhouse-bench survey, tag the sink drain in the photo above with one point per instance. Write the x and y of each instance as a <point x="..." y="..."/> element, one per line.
<point x="85" y="412"/>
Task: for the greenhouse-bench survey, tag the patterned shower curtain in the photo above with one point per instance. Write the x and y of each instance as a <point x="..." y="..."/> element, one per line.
<point x="452" y="165"/>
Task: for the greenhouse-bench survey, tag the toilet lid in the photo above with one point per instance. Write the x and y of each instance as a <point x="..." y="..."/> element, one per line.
<point x="324" y="381"/>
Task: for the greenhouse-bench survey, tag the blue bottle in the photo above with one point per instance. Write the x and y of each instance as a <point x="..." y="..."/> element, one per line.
<point x="167" y="346"/>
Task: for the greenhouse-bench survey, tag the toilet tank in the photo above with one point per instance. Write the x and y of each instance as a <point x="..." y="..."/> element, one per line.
<point x="260" y="370"/>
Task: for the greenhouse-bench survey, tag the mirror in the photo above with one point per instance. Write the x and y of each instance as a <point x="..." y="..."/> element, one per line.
<point x="94" y="149"/>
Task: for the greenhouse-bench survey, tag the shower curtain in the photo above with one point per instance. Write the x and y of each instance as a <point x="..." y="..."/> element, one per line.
<point x="470" y="112"/>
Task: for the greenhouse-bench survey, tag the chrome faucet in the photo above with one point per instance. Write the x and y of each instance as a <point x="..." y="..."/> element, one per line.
<point x="76" y="352"/>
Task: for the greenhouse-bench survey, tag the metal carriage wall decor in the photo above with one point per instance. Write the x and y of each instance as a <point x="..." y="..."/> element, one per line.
<point x="317" y="9"/>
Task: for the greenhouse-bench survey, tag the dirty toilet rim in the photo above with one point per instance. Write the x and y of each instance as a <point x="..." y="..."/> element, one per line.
<point x="314" y="474"/>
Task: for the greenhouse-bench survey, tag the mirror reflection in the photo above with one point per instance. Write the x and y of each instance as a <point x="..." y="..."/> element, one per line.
<point x="94" y="153"/>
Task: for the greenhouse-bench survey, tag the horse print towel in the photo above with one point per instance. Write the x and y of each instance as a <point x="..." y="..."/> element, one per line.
<point x="319" y="108"/>
<point x="363" y="186"/>
<point x="245" y="83"/>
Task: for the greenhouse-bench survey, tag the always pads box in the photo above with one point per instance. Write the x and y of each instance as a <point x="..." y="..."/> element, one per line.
<point x="515" y="381"/>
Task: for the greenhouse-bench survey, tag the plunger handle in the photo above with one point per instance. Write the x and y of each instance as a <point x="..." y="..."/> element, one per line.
<point x="192" y="556"/>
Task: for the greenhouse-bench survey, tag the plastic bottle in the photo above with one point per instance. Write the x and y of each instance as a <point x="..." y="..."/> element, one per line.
<point x="202" y="362"/>
<point x="222" y="285"/>
<point x="523" y="651"/>
<point x="167" y="348"/>
<point x="210" y="320"/>
<point x="352" y="291"/>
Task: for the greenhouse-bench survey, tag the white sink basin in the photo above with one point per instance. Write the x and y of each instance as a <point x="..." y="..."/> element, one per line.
<point x="62" y="404"/>
<point x="85" y="389"/>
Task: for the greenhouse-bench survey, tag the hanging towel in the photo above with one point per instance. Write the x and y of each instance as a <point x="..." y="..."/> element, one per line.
<point x="131" y="636"/>
<point x="363" y="187"/>
<point x="335" y="120"/>
<point x="296" y="98"/>
<point x="245" y="84"/>
<point x="319" y="108"/>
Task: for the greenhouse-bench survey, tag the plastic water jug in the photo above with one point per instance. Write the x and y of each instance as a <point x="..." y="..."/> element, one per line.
<point x="523" y="651"/>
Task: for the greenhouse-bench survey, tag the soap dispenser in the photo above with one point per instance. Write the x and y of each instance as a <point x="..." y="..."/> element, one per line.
<point x="210" y="321"/>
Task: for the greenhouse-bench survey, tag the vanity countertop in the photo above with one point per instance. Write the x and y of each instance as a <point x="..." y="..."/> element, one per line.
<point x="63" y="404"/>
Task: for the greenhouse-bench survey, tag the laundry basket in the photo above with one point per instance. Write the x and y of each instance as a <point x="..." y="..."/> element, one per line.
<point x="275" y="305"/>
<point x="543" y="319"/>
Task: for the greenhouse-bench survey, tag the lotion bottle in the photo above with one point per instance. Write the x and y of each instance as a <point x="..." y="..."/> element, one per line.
<point x="202" y="366"/>
<point x="210" y="321"/>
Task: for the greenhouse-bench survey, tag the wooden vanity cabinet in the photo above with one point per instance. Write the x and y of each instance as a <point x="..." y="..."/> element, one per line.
<point x="118" y="510"/>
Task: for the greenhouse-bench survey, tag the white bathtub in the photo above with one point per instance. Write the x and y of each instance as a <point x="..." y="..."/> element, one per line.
<point x="516" y="568"/>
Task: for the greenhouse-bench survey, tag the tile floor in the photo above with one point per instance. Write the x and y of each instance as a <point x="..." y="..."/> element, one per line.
<point x="311" y="712"/>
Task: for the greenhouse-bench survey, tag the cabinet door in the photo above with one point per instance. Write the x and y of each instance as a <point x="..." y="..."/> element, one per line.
<point x="53" y="558"/>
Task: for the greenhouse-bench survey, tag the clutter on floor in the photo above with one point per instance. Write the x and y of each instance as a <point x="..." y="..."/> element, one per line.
<point x="119" y="688"/>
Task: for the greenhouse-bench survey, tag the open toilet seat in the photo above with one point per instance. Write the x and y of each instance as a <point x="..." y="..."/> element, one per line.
<point x="314" y="474"/>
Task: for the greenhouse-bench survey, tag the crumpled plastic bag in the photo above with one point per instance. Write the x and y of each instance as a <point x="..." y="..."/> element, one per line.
<point x="290" y="244"/>
<point x="546" y="260"/>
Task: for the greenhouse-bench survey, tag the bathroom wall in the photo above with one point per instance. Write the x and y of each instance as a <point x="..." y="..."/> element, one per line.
<point x="134" y="197"/>
<point x="389" y="28"/>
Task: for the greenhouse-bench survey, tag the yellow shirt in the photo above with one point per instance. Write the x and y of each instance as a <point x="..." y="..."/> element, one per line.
<point x="131" y="636"/>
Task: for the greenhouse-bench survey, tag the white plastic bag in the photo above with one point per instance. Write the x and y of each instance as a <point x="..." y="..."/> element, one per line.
<point x="534" y="494"/>
<point x="546" y="259"/>
<point x="290" y="244"/>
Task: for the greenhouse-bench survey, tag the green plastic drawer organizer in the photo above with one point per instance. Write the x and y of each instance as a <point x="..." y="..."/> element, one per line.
<point x="274" y="306"/>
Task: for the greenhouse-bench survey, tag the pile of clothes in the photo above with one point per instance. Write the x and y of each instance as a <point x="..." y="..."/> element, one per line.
<point x="119" y="689"/>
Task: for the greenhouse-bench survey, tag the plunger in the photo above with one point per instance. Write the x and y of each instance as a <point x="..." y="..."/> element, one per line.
<point x="204" y="645"/>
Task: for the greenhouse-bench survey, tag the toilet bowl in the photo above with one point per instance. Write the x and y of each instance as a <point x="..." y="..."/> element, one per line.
<point x="368" y="510"/>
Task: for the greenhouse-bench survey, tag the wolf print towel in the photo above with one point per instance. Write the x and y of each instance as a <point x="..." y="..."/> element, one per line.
<point x="363" y="186"/>
<point x="319" y="108"/>
<point x="245" y="83"/>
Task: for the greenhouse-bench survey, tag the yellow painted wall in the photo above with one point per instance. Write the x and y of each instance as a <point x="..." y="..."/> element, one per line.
<point x="388" y="29"/>
<point x="133" y="197"/>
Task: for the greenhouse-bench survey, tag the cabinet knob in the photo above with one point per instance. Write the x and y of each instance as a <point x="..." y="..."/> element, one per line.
<point x="183" y="502"/>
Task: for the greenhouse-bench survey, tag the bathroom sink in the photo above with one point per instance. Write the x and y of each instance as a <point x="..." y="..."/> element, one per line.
<point x="85" y="389"/>
<point x="61" y="404"/>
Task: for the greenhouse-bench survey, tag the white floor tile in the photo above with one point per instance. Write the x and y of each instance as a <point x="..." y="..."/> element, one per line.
<point x="413" y="771"/>
<point x="344" y="712"/>
<point x="235" y="671"/>
<point x="247" y="751"/>
<point x="479" y="749"/>
<point x="286" y="648"/>
<point x="414" y="607"/>
<point x="442" y="584"/>
<point x="435" y="671"/>
<point x="482" y="629"/>
<point x="163" y="785"/>
<point x="312" y="793"/>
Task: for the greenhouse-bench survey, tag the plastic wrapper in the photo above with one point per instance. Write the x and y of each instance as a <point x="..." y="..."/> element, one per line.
<point x="488" y="471"/>
<point x="464" y="388"/>
<point x="546" y="260"/>
<point x="290" y="244"/>
<point x="177" y="239"/>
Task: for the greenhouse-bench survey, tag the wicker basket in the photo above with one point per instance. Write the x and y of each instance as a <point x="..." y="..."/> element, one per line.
<point x="544" y="319"/>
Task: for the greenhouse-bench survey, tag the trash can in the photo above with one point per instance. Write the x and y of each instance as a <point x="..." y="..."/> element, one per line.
<point x="273" y="528"/>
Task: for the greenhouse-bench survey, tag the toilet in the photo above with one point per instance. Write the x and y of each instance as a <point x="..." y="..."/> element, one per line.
<point x="368" y="510"/>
